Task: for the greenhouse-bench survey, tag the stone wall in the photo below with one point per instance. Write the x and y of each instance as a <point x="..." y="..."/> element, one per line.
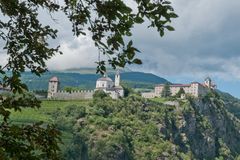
<point x="74" y="95"/>
<point x="148" y="95"/>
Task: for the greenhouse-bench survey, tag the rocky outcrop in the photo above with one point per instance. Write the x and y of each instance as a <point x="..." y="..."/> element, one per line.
<point x="204" y="127"/>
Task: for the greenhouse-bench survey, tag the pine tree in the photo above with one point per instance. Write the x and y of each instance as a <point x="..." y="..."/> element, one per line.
<point x="166" y="92"/>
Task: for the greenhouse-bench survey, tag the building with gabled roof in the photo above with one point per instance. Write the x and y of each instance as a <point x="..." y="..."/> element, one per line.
<point x="195" y="89"/>
<point x="106" y="84"/>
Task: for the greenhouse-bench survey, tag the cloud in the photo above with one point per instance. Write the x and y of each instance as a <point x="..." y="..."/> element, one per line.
<point x="80" y="52"/>
<point x="205" y="41"/>
<point x="3" y="59"/>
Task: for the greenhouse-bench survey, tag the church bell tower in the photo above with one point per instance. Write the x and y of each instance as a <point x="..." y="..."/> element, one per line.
<point x="117" y="79"/>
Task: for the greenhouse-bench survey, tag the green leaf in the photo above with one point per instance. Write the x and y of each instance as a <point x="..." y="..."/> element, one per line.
<point x="173" y="15"/>
<point x="170" y="28"/>
<point x="161" y="32"/>
<point x="139" y="20"/>
<point x="137" y="61"/>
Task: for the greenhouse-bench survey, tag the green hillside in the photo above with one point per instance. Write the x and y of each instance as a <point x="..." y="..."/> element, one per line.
<point x="232" y="103"/>
<point x="89" y="70"/>
<point x="88" y="81"/>
<point x="134" y="128"/>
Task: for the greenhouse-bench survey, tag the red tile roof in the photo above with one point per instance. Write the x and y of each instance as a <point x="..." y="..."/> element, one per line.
<point x="175" y="85"/>
<point x="182" y="85"/>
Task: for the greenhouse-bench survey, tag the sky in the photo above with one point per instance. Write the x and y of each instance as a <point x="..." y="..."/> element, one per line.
<point x="205" y="43"/>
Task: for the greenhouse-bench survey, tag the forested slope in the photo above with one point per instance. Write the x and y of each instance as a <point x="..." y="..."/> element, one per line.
<point x="136" y="128"/>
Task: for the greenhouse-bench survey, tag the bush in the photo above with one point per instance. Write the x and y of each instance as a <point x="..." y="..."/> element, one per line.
<point x="100" y="94"/>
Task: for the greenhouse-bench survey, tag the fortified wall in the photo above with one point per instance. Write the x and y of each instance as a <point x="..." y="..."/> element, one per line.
<point x="56" y="94"/>
<point x="74" y="95"/>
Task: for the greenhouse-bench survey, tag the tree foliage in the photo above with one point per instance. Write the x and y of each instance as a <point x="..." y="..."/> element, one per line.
<point x="25" y="40"/>
<point x="180" y="92"/>
<point x="166" y="92"/>
<point x="100" y="94"/>
<point x="122" y="129"/>
<point x="134" y="128"/>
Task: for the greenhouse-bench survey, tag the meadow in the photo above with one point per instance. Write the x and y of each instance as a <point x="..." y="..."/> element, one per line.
<point x="29" y="115"/>
<point x="45" y="114"/>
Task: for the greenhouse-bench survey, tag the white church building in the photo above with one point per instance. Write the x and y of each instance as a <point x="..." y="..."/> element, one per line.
<point x="114" y="89"/>
<point x="105" y="83"/>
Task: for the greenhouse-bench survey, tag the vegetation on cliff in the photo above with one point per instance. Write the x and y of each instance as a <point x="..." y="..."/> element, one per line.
<point x="136" y="128"/>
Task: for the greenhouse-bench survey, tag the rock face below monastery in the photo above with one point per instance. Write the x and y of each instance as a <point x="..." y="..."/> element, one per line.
<point x="205" y="127"/>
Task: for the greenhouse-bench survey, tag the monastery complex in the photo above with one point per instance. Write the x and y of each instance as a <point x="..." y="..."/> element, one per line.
<point x="114" y="89"/>
<point x="195" y="89"/>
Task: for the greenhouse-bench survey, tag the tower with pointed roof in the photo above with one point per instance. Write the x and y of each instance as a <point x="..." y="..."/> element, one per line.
<point x="53" y="86"/>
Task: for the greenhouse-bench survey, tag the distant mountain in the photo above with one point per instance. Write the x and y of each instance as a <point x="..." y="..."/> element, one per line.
<point x="88" y="70"/>
<point x="88" y="80"/>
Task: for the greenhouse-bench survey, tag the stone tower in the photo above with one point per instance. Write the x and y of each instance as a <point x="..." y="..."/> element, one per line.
<point x="117" y="79"/>
<point x="208" y="82"/>
<point x="53" y="86"/>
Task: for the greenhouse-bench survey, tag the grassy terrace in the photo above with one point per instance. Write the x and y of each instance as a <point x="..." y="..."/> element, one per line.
<point x="44" y="113"/>
<point x="159" y="99"/>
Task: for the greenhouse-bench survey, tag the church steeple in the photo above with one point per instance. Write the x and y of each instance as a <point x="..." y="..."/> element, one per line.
<point x="208" y="82"/>
<point x="117" y="79"/>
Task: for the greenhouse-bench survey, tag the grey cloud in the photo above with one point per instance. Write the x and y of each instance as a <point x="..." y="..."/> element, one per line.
<point x="205" y="41"/>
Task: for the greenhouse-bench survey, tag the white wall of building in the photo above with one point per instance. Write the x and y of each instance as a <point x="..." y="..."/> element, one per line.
<point x="195" y="89"/>
<point x="148" y="95"/>
<point x="104" y="84"/>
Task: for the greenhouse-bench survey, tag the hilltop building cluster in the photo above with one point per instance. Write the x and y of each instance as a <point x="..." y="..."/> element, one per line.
<point x="195" y="89"/>
<point x="106" y="84"/>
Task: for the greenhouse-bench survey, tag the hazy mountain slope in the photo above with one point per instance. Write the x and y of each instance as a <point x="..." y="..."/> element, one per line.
<point x="88" y="81"/>
<point x="232" y="103"/>
<point x="90" y="70"/>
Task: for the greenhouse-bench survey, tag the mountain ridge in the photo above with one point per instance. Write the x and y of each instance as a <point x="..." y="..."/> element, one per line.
<point x="88" y="81"/>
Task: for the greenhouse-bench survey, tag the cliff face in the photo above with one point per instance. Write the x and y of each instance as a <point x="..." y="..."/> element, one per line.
<point x="224" y="124"/>
<point x="206" y="129"/>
